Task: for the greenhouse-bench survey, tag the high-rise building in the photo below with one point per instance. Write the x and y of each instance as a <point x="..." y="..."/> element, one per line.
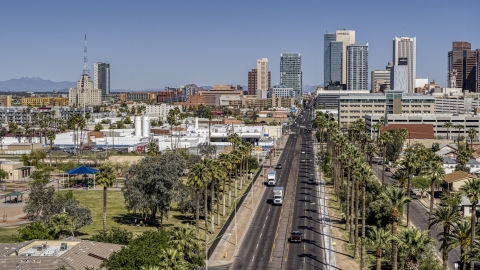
<point x="252" y="82"/>
<point x="357" y="67"/>
<point x="84" y="94"/>
<point x="263" y="78"/>
<point x="291" y="73"/>
<point x="463" y="66"/>
<point x="347" y="37"/>
<point x="101" y="77"/>
<point x="405" y="53"/>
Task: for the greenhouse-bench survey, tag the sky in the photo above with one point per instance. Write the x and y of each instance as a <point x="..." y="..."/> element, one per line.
<point x="153" y="44"/>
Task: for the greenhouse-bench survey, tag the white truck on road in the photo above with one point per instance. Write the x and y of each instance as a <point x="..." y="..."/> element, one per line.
<point x="271" y="178"/>
<point x="278" y="195"/>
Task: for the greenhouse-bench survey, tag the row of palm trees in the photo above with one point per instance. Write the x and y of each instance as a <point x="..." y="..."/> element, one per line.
<point x="472" y="133"/>
<point x="352" y="176"/>
<point x="208" y="173"/>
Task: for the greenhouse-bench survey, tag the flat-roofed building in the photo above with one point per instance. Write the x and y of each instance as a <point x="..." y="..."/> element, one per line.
<point x="139" y="96"/>
<point x="44" y="101"/>
<point x="6" y="100"/>
<point x="328" y="99"/>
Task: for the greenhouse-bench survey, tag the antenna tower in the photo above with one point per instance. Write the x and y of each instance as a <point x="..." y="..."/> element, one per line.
<point x="86" y="71"/>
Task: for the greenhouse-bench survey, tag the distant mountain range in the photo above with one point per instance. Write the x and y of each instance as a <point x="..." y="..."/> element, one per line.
<point x="36" y="84"/>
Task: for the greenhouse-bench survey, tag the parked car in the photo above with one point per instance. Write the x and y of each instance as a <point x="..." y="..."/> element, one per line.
<point x="87" y="147"/>
<point x="97" y="149"/>
<point x="279" y="166"/>
<point x="380" y="162"/>
<point x="387" y="169"/>
<point x="296" y="236"/>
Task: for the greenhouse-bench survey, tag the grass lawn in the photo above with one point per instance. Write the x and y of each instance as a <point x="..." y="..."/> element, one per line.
<point x="9" y="234"/>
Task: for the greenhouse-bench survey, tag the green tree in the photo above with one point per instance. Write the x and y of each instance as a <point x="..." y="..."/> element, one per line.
<point x="114" y="236"/>
<point x="396" y="199"/>
<point x="34" y="230"/>
<point x="235" y="140"/>
<point x="471" y="189"/>
<point x="414" y="243"/>
<point x="436" y="174"/>
<point x="98" y="127"/>
<point x="51" y="135"/>
<point x="151" y="183"/>
<point x="3" y="175"/>
<point x="446" y="217"/>
<point x="385" y="139"/>
<point x="172" y="259"/>
<point x="60" y="224"/>
<point x="421" y="182"/>
<point x="183" y="239"/>
<point x="463" y="157"/>
<point x="459" y="127"/>
<point x="153" y="149"/>
<point x="460" y="236"/>
<point x="127" y="120"/>
<point x="472" y="133"/>
<point x="378" y="241"/>
<point x="198" y="177"/>
<point x="365" y="173"/>
<point x="105" y="178"/>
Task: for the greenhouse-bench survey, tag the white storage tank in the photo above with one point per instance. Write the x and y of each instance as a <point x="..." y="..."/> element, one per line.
<point x="146" y="126"/>
<point x="138" y="126"/>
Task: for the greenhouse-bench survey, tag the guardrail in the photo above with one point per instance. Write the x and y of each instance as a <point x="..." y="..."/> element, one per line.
<point x="230" y="218"/>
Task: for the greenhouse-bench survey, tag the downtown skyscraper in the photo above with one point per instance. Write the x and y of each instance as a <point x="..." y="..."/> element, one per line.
<point x="101" y="77"/>
<point x="291" y="73"/>
<point x="464" y="67"/>
<point x="405" y="54"/>
<point x="357" y="67"/>
<point x="335" y="56"/>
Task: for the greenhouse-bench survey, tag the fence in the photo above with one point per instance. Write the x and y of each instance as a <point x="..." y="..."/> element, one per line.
<point x="230" y="218"/>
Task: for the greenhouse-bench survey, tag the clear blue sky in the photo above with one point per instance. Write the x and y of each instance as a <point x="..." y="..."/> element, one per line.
<point x="153" y="44"/>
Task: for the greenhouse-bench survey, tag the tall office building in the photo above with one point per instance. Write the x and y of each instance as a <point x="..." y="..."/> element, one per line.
<point x="347" y="37"/>
<point x="463" y="67"/>
<point x="259" y="78"/>
<point x="101" y="77"/>
<point x="335" y="56"/>
<point x="291" y="73"/>
<point x="405" y="53"/>
<point x="381" y="79"/>
<point x="399" y="78"/>
<point x="357" y="67"/>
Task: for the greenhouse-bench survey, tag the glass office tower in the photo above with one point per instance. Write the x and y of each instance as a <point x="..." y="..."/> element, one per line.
<point x="291" y="73"/>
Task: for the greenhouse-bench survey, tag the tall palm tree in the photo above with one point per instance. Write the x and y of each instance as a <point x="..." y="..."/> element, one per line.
<point x="472" y="133"/>
<point x="153" y="149"/>
<point x="196" y="178"/>
<point x="225" y="162"/>
<point x="59" y="224"/>
<point x="365" y="173"/>
<point x="105" y="178"/>
<point x="372" y="150"/>
<point x="463" y="157"/>
<point x="242" y="152"/>
<point x="410" y="162"/>
<point x="235" y="140"/>
<point x="460" y="236"/>
<point x="414" y="243"/>
<point x="459" y="127"/>
<point x="401" y="178"/>
<point x="448" y="126"/>
<point x="385" y="139"/>
<point x="446" y="217"/>
<point x="471" y="189"/>
<point x="377" y="127"/>
<point x="217" y="174"/>
<point x="396" y="199"/>
<point x="436" y="173"/>
<point x="378" y="240"/>
<point x="51" y="134"/>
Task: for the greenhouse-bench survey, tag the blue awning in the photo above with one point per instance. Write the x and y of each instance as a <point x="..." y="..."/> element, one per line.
<point x="83" y="170"/>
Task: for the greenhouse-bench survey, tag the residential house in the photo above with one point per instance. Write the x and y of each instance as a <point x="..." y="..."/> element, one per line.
<point x="449" y="164"/>
<point x="466" y="207"/>
<point x="455" y="180"/>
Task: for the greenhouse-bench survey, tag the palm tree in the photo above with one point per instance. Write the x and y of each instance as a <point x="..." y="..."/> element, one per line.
<point x="365" y="173"/>
<point x="402" y="178"/>
<point x="236" y="159"/>
<point x="446" y="217"/>
<point x="235" y="140"/>
<point x="372" y="150"/>
<point x="385" y="139"/>
<point x="51" y="134"/>
<point x="105" y="178"/>
<point x="226" y="163"/>
<point x="377" y="127"/>
<point x="471" y="189"/>
<point x="196" y="179"/>
<point x="183" y="238"/>
<point x="460" y="236"/>
<point x="378" y="240"/>
<point x="472" y="133"/>
<point x="459" y="127"/>
<point x="217" y="174"/>
<point x="448" y="125"/>
<point x="396" y="199"/>
<point x="152" y="149"/>
<point x="436" y="173"/>
<point x="410" y="161"/>
<point x="414" y="243"/>
<point x="463" y="157"/>
<point x="242" y="152"/>
<point x="60" y="223"/>
<point x="172" y="259"/>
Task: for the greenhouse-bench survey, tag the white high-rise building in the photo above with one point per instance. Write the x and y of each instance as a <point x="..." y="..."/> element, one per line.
<point x="405" y="54"/>
<point x="357" y="67"/>
<point x="399" y="78"/>
<point x="262" y="74"/>
<point x="347" y="37"/>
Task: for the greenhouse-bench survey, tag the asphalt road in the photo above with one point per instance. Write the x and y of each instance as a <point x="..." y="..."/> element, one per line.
<point x="306" y="215"/>
<point x="419" y="217"/>
<point x="265" y="246"/>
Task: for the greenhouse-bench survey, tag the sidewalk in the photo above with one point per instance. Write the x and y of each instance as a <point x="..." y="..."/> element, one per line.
<point x="226" y="250"/>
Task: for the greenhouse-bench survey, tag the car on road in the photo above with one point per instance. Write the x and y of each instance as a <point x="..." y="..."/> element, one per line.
<point x="295" y="236"/>
<point x="87" y="147"/>
<point x="303" y="152"/>
<point x="97" y="150"/>
<point x="279" y="166"/>
<point x="387" y="169"/>
<point x="380" y="162"/>
<point x="303" y="160"/>
<point x="413" y="195"/>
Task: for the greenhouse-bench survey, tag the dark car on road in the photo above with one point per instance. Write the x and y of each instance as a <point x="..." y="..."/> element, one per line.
<point x="380" y="162"/>
<point x="387" y="169"/>
<point x="296" y="236"/>
<point x="279" y="166"/>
